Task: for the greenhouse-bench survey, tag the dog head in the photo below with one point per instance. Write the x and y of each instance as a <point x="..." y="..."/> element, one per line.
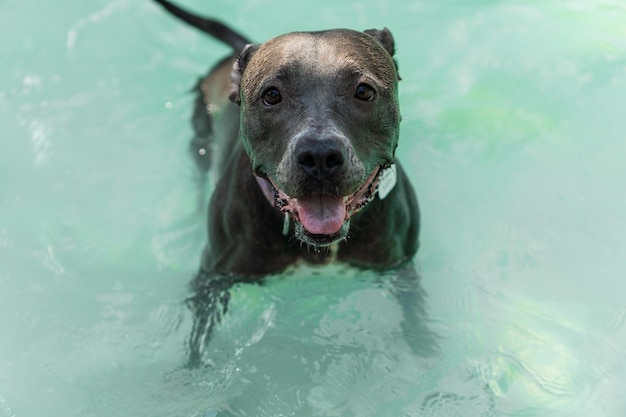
<point x="319" y="121"/>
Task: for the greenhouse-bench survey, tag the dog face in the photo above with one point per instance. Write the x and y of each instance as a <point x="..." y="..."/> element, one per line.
<point x="319" y="121"/>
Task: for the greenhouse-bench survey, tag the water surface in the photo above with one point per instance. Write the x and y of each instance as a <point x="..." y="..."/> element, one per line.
<point x="513" y="135"/>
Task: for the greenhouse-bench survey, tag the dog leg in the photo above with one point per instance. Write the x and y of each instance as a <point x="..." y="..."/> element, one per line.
<point x="208" y="304"/>
<point x="411" y="297"/>
<point x="202" y="142"/>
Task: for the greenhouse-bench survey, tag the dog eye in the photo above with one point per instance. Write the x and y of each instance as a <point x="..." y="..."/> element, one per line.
<point x="272" y="96"/>
<point x="365" y="92"/>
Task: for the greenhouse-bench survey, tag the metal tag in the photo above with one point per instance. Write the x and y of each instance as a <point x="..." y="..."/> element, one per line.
<point x="388" y="179"/>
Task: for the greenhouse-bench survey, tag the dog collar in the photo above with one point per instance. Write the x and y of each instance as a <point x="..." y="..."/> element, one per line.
<point x="385" y="183"/>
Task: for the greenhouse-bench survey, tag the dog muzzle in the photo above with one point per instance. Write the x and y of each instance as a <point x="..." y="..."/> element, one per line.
<point x="325" y="214"/>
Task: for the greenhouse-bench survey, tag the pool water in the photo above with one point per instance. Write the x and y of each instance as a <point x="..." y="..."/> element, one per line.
<point x="513" y="135"/>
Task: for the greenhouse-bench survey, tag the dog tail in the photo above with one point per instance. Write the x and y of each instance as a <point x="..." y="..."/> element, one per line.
<point x="210" y="26"/>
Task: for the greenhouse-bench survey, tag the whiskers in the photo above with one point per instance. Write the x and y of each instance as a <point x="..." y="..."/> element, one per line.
<point x="296" y="239"/>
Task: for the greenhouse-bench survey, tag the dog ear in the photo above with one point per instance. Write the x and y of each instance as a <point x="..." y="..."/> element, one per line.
<point x="385" y="38"/>
<point x="237" y="72"/>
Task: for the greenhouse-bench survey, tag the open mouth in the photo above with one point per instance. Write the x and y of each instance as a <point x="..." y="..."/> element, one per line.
<point x="323" y="219"/>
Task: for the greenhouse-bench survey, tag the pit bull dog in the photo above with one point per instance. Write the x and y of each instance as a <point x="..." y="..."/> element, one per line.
<point x="300" y="133"/>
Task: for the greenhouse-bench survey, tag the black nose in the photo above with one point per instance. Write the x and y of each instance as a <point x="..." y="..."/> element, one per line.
<point x="320" y="158"/>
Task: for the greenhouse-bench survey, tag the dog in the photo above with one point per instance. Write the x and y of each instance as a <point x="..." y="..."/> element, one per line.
<point x="300" y="133"/>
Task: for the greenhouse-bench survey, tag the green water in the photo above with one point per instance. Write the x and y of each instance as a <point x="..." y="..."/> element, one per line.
<point x="513" y="134"/>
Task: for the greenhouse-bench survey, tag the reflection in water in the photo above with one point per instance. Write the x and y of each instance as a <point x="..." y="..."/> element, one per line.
<point x="211" y="298"/>
<point x="331" y="340"/>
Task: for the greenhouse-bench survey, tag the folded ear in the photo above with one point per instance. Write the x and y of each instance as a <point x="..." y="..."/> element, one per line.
<point x="383" y="37"/>
<point x="237" y="72"/>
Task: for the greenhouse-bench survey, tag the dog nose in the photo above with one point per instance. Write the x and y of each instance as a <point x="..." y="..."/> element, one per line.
<point x="320" y="158"/>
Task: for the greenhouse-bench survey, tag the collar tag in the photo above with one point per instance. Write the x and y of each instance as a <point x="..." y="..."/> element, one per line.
<point x="388" y="180"/>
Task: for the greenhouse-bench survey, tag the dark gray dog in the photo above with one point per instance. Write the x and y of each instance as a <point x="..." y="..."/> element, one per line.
<point x="304" y="158"/>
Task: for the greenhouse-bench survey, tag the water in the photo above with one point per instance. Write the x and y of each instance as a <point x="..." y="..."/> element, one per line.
<point x="513" y="133"/>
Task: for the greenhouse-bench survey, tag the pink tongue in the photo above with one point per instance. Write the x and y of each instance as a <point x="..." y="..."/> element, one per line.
<point x="322" y="214"/>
